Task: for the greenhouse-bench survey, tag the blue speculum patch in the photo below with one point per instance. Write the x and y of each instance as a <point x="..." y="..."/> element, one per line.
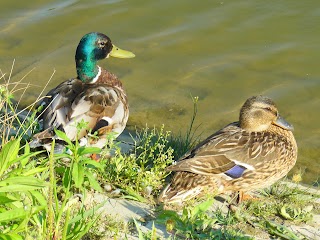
<point x="236" y="171"/>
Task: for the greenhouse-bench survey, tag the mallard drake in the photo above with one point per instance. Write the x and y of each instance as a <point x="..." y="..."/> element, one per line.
<point x="250" y="154"/>
<point x="95" y="96"/>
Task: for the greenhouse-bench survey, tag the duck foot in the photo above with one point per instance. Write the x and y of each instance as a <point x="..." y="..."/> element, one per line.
<point x="242" y="196"/>
<point x="238" y="198"/>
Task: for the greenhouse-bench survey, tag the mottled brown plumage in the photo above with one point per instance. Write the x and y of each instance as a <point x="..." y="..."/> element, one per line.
<point x="96" y="96"/>
<point x="246" y="155"/>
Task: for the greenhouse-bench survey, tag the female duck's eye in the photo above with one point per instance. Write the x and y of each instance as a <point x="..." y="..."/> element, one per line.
<point x="269" y="109"/>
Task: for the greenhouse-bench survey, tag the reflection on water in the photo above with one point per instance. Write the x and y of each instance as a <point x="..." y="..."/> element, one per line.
<point x="221" y="51"/>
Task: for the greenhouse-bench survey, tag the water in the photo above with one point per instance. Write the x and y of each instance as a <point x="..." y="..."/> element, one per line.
<point x="221" y="51"/>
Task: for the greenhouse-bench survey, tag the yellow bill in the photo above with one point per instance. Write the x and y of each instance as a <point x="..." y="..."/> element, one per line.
<point x="119" y="53"/>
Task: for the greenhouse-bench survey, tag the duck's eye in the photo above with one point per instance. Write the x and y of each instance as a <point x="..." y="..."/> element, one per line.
<point x="268" y="109"/>
<point x="102" y="44"/>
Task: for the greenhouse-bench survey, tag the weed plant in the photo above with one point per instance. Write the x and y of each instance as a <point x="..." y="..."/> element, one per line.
<point x="141" y="173"/>
<point x="38" y="192"/>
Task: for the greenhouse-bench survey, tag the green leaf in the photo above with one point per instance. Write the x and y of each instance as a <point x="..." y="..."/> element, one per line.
<point x="93" y="163"/>
<point x="39" y="197"/>
<point x="281" y="231"/>
<point x="18" y="188"/>
<point x="10" y="236"/>
<point x="201" y="208"/>
<point x="28" y="181"/>
<point x="93" y="182"/>
<point x="153" y="232"/>
<point x="88" y="213"/>
<point x="88" y="150"/>
<point x="141" y="237"/>
<point x="37" y="209"/>
<point x="283" y="213"/>
<point x="169" y="214"/>
<point x="34" y="171"/>
<point x="185" y="213"/>
<point x="130" y="198"/>
<point x="134" y="194"/>
<point x="4" y="200"/>
<point x="8" y="153"/>
<point x="13" y="214"/>
<point x="62" y="155"/>
<point x="23" y="225"/>
<point x="64" y="137"/>
<point x="86" y="229"/>
<point x="79" y="228"/>
<point x="66" y="177"/>
<point x="24" y="159"/>
<point x="77" y="174"/>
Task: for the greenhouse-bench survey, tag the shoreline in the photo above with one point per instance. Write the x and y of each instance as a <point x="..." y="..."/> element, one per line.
<point x="146" y="216"/>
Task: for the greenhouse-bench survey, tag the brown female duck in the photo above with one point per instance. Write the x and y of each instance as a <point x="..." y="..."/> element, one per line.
<point x="249" y="154"/>
<point x="96" y="96"/>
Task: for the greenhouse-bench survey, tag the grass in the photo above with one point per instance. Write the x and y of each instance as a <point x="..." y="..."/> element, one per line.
<point x="108" y="226"/>
<point x="277" y="208"/>
<point x="183" y="142"/>
<point x="199" y="222"/>
<point x="43" y="196"/>
<point x="37" y="190"/>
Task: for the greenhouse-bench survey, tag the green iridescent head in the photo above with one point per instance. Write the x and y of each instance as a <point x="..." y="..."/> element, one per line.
<point x="93" y="47"/>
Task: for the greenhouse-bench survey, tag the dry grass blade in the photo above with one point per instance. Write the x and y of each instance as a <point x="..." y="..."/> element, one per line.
<point x="15" y="121"/>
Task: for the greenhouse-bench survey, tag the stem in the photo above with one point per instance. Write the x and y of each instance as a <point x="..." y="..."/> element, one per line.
<point x="195" y="111"/>
<point x="63" y="204"/>
<point x="50" y="215"/>
<point x="65" y="228"/>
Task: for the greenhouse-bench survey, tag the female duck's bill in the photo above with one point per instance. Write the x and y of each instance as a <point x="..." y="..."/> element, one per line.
<point x="281" y="122"/>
